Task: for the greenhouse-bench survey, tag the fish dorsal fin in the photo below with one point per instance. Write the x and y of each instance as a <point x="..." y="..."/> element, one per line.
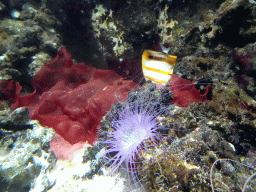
<point x="165" y="49"/>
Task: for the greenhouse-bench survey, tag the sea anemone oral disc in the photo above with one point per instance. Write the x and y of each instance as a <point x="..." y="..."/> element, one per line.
<point x="131" y="133"/>
<point x="128" y="138"/>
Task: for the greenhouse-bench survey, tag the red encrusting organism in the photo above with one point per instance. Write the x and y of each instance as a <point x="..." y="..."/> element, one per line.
<point x="244" y="63"/>
<point x="184" y="92"/>
<point x="10" y="89"/>
<point x="73" y="98"/>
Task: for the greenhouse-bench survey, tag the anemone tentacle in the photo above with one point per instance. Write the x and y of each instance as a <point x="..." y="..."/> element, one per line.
<point x="130" y="127"/>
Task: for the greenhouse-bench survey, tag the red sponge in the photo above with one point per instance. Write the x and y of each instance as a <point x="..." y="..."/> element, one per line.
<point x="184" y="91"/>
<point x="72" y="98"/>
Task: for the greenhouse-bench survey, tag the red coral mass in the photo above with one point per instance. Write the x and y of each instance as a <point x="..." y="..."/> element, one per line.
<point x="184" y="92"/>
<point x="72" y="98"/>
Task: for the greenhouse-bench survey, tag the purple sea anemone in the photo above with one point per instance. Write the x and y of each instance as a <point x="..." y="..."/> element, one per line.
<point x="128" y="126"/>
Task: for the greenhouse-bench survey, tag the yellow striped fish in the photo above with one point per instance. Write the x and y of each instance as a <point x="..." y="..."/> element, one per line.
<point x="157" y="66"/>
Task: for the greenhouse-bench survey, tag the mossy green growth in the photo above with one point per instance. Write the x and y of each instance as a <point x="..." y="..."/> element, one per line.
<point x="177" y="31"/>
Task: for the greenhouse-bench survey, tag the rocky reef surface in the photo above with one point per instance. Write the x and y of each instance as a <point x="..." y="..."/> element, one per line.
<point x="208" y="145"/>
